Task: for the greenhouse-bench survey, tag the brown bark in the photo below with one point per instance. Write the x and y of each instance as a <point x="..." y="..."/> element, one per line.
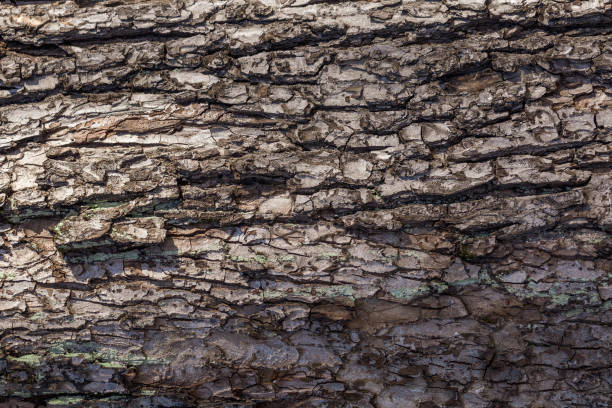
<point x="306" y="203"/>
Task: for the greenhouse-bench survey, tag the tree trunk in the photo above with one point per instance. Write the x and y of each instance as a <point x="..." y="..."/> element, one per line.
<point x="306" y="203"/>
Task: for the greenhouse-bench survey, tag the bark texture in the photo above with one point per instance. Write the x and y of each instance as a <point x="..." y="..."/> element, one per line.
<point x="306" y="203"/>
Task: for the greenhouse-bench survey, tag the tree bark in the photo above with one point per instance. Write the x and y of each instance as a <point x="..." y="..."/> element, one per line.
<point x="306" y="203"/>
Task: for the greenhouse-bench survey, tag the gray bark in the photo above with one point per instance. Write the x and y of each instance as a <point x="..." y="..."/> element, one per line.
<point x="306" y="203"/>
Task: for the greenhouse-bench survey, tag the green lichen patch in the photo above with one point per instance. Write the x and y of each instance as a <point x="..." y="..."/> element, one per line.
<point x="38" y="316"/>
<point x="561" y="299"/>
<point x="98" y="354"/>
<point x="66" y="400"/>
<point x="336" y="291"/>
<point x="101" y="205"/>
<point x="330" y="255"/>
<point x="148" y="392"/>
<point x="59" y="228"/>
<point x="29" y="359"/>
<point x="7" y="275"/>
<point x="112" y="364"/>
<point x="263" y="259"/>
<point x="409" y="293"/>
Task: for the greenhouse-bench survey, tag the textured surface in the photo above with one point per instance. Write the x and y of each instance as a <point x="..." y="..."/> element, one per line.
<point x="306" y="203"/>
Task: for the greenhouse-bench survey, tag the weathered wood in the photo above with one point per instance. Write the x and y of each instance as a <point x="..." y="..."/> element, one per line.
<point x="306" y="203"/>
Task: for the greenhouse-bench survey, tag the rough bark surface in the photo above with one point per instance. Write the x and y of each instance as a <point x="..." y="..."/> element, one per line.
<point x="306" y="203"/>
